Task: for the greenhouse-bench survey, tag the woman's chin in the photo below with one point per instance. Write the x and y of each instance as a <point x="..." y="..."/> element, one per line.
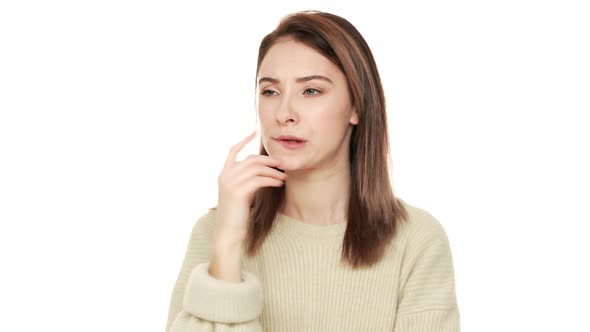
<point x="289" y="166"/>
<point x="288" y="163"/>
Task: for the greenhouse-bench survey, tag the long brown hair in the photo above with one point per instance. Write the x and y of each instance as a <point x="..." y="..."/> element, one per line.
<point x="373" y="212"/>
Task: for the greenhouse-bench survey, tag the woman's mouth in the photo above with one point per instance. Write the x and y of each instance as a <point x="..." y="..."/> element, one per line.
<point x="292" y="144"/>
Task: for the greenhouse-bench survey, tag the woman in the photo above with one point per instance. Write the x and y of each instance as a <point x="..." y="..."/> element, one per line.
<point x="308" y="235"/>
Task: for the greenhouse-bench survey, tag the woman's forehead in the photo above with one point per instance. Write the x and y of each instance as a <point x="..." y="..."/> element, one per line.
<point x="289" y="60"/>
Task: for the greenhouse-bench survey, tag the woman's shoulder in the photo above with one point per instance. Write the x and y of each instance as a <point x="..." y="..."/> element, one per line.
<point x="207" y="217"/>
<point x="420" y="223"/>
<point x="204" y="225"/>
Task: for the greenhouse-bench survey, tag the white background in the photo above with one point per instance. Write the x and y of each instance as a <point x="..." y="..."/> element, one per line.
<point x="116" y="117"/>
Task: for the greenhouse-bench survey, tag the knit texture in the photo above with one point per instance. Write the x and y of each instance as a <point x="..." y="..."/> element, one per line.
<point x="297" y="283"/>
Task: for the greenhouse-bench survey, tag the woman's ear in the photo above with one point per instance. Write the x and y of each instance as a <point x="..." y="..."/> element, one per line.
<point x="354" y="117"/>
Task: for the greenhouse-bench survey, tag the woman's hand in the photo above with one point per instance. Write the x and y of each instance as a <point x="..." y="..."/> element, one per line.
<point x="238" y="181"/>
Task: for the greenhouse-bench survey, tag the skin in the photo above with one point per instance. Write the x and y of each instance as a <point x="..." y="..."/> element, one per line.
<point x="318" y="175"/>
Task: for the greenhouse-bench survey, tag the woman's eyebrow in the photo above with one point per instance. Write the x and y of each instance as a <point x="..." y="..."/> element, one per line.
<point x="298" y="79"/>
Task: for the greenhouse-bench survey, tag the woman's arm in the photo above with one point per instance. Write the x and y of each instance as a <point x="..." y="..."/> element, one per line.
<point x="428" y="301"/>
<point x="201" y="302"/>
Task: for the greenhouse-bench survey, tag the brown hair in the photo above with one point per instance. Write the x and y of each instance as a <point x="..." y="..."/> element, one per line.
<point x="373" y="211"/>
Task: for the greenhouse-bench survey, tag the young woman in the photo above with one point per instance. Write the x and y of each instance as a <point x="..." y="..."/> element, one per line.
<point x="308" y="235"/>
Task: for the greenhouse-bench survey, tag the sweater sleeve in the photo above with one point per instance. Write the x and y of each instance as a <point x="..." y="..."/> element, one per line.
<point x="201" y="302"/>
<point x="428" y="299"/>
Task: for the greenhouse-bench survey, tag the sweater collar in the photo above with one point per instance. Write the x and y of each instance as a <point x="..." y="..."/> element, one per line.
<point x="292" y="228"/>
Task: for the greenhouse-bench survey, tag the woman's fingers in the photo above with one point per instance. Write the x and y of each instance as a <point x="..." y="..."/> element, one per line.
<point x="241" y="176"/>
<point x="238" y="182"/>
<point x="233" y="152"/>
<point x="261" y="160"/>
<point x="248" y="185"/>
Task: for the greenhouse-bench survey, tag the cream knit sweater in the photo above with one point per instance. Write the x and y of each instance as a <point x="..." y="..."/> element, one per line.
<point x="296" y="283"/>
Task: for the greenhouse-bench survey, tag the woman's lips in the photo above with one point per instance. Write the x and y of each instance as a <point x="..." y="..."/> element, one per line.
<point x="291" y="145"/>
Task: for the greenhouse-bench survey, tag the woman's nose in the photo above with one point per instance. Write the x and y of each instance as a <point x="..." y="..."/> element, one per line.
<point x="286" y="112"/>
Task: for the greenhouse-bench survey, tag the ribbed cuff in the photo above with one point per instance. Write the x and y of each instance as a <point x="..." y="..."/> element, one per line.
<point x="222" y="301"/>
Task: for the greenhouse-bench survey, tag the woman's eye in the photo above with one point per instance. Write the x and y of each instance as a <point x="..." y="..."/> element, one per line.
<point x="314" y="90"/>
<point x="310" y="92"/>
<point x="267" y="92"/>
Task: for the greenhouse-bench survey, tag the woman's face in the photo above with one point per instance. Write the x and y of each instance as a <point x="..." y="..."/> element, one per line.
<point x="301" y="93"/>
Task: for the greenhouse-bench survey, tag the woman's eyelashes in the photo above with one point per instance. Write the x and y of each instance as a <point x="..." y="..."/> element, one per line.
<point x="316" y="90"/>
<point x="312" y="91"/>
<point x="266" y="92"/>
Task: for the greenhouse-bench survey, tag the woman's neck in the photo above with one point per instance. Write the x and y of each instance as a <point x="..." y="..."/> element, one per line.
<point x="319" y="197"/>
